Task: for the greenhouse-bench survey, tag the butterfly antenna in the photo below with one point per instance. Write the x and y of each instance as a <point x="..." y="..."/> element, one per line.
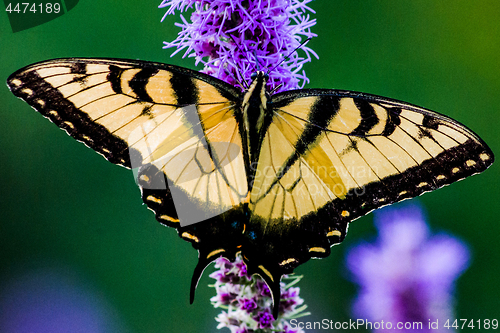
<point x="259" y="65"/>
<point x="289" y="54"/>
<point x="276" y="88"/>
<point x="243" y="85"/>
<point x="254" y="53"/>
<point x="246" y="85"/>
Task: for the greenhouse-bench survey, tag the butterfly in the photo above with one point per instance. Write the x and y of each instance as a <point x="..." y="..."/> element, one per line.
<point x="275" y="177"/>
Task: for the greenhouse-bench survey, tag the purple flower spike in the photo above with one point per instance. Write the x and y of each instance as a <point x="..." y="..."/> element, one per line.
<point x="265" y="319"/>
<point x="248" y="304"/>
<point x="247" y="301"/>
<point x="407" y="275"/>
<point x="234" y="38"/>
<point x="290" y="300"/>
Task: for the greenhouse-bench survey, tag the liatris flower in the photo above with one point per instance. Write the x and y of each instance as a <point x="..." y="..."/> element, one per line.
<point x="234" y="38"/>
<point x="247" y="300"/>
<point x="407" y="276"/>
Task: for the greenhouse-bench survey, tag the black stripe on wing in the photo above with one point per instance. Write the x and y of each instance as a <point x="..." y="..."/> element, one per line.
<point x="139" y="82"/>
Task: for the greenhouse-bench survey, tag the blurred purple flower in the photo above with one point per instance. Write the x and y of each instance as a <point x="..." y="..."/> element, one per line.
<point x="248" y="308"/>
<point x="407" y="275"/>
<point x="227" y="35"/>
<point x="54" y="298"/>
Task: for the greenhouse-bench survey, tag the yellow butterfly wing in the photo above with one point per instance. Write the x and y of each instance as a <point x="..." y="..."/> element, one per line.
<point x="329" y="157"/>
<point x="155" y="117"/>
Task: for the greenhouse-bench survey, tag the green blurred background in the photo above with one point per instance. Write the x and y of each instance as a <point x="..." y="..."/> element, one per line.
<point x="65" y="209"/>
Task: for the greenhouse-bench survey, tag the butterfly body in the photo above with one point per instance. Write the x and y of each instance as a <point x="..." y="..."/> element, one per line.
<point x="275" y="177"/>
<point x="255" y="113"/>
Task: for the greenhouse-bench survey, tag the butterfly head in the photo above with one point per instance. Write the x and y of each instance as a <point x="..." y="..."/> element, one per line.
<point x="259" y="74"/>
<point x="258" y="84"/>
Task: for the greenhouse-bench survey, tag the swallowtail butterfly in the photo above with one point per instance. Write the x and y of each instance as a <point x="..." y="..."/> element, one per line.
<point x="277" y="178"/>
